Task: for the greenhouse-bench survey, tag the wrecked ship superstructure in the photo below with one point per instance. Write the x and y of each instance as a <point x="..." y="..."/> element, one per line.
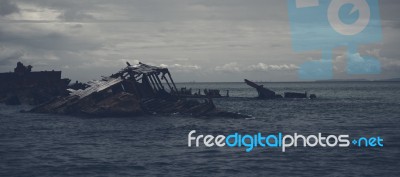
<point x="135" y="90"/>
<point x="267" y="94"/>
<point x="24" y="86"/>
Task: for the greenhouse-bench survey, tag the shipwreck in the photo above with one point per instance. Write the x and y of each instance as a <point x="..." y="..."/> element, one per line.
<point x="265" y="93"/>
<point x="207" y="93"/>
<point x="24" y="86"/>
<point x="135" y="90"/>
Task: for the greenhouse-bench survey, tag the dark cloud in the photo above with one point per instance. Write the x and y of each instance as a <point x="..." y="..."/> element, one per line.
<point x="45" y="40"/>
<point x="389" y="10"/>
<point x="90" y="38"/>
<point x="7" y="7"/>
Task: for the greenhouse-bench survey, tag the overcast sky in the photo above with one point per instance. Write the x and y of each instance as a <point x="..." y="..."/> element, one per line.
<point x="199" y="40"/>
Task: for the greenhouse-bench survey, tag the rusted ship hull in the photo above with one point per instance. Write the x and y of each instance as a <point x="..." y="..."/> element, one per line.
<point x="26" y="87"/>
<point x="264" y="93"/>
<point x="133" y="91"/>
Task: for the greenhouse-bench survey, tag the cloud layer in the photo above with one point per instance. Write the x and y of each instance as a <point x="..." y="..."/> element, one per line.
<point x="203" y="40"/>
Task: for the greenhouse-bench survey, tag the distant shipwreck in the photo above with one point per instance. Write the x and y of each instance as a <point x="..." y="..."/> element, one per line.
<point x="264" y="93"/>
<point x="135" y="90"/>
<point x="24" y="86"/>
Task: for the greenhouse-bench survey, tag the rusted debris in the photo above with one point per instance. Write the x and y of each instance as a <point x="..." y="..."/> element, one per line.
<point x="24" y="86"/>
<point x="207" y="93"/>
<point x="135" y="90"/>
<point x="295" y="95"/>
<point x="299" y="95"/>
<point x="212" y="93"/>
<point x="78" y="85"/>
<point x="264" y="93"/>
<point x="185" y="91"/>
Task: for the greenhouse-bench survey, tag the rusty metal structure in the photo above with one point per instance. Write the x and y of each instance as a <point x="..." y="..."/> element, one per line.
<point x="24" y="86"/>
<point x="146" y="80"/>
<point x="142" y="80"/>
<point x="135" y="90"/>
<point x="264" y="93"/>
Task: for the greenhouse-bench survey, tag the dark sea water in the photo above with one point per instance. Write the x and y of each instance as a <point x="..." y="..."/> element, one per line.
<point x="49" y="145"/>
